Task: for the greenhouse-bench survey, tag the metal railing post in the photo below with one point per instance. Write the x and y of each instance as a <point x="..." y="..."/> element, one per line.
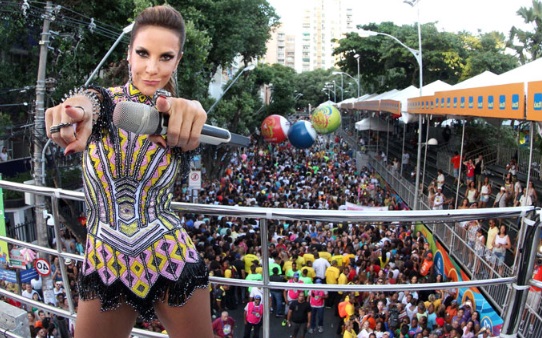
<point x="264" y="232"/>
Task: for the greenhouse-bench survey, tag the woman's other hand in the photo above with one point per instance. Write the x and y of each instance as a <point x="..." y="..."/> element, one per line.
<point x="73" y="123"/>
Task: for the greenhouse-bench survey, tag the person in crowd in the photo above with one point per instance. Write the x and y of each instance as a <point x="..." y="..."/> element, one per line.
<point x="29" y="292"/>
<point x="479" y="168"/>
<point x="501" y="199"/>
<point x="253" y="317"/>
<point x="531" y="191"/>
<point x="316" y="300"/>
<point x="439" y="200"/>
<point x="155" y="50"/>
<point x="349" y="330"/>
<point x="277" y="295"/>
<point x="501" y="243"/>
<point x="533" y="300"/>
<point x="299" y="316"/>
<point x="469" y="170"/>
<point x="471" y="193"/>
<point x="4" y="156"/>
<point x="456" y="164"/>
<point x="485" y="192"/>
<point x="524" y="199"/>
<point x="479" y="249"/>
<point x="512" y="169"/>
<point x="291" y="295"/>
<point x="223" y="326"/>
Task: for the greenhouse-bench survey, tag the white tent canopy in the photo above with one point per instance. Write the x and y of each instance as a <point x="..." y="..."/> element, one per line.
<point x="433" y="87"/>
<point x="328" y="103"/>
<point x="528" y="72"/>
<point x="486" y="78"/>
<point x="372" y="123"/>
<point x="348" y="101"/>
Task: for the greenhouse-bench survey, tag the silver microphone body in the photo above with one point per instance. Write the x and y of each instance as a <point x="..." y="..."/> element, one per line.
<point x="143" y="119"/>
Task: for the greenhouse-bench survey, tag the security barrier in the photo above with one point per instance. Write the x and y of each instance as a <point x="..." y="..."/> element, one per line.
<point x="499" y="286"/>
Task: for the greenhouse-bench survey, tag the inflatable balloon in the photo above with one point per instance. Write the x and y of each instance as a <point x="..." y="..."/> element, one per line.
<point x="275" y="129"/>
<point x="302" y="135"/>
<point x="243" y="157"/>
<point x="326" y="119"/>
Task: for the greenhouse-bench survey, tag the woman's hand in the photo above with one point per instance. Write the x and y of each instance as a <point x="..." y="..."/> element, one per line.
<point x="73" y="123"/>
<point x="186" y="120"/>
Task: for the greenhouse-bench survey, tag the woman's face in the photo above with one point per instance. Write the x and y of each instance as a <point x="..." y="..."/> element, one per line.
<point x="153" y="58"/>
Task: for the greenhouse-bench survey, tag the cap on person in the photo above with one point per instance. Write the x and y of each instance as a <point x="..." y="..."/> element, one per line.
<point x="258" y="297"/>
<point x="318" y="280"/>
<point x="296" y="274"/>
<point x="503" y="188"/>
<point x="440" y="321"/>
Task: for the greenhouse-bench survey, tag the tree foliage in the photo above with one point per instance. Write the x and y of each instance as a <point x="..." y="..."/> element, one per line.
<point x="449" y="57"/>
<point x="528" y="44"/>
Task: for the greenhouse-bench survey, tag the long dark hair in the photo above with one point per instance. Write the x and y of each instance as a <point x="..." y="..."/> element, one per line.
<point x="166" y="17"/>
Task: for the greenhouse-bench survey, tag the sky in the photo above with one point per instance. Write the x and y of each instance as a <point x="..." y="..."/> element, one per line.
<point x="451" y="15"/>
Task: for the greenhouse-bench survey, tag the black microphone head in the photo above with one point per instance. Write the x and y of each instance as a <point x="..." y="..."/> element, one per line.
<point x="136" y="117"/>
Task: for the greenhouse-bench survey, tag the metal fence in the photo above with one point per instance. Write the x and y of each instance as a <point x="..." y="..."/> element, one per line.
<point x="445" y="233"/>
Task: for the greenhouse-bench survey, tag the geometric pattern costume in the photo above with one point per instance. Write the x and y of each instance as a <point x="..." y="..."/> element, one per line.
<point x="136" y="249"/>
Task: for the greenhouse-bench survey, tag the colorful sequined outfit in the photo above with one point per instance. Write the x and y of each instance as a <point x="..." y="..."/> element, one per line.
<point x="136" y="250"/>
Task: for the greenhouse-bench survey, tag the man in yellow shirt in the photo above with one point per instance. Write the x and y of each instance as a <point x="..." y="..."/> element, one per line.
<point x="343" y="277"/>
<point x="337" y="257"/>
<point x="325" y="255"/>
<point x="249" y="259"/>
<point x="307" y="257"/>
<point x="332" y="277"/>
<point x="348" y="256"/>
<point x="310" y="270"/>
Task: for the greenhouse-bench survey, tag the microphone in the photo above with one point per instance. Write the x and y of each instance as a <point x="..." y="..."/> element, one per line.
<point x="140" y="118"/>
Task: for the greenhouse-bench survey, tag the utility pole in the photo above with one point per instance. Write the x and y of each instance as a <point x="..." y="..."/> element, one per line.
<point x="39" y="136"/>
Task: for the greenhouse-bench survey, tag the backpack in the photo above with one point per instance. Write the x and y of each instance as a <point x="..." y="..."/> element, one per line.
<point x="342" y="309"/>
<point x="394" y="318"/>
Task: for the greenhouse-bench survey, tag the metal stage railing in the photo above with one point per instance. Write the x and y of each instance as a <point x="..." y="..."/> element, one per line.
<point x="442" y="230"/>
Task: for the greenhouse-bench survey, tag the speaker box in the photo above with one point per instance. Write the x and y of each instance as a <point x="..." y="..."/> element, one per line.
<point x="14" y="320"/>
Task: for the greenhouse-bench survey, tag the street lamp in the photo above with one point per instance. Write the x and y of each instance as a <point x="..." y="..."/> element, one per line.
<point x="327" y="91"/>
<point x="356" y="56"/>
<point x="342" y="85"/>
<point x="430" y="142"/>
<point x="247" y="68"/>
<point x="418" y="56"/>
<point x="14" y="104"/>
<point x="328" y="85"/>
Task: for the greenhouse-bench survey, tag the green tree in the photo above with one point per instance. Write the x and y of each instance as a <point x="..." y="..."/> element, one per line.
<point x="450" y="57"/>
<point x="528" y="44"/>
<point x="311" y="84"/>
<point x="486" y="52"/>
<point x="235" y="27"/>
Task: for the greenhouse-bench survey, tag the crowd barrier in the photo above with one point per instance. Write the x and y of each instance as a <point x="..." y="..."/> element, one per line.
<point x="433" y="220"/>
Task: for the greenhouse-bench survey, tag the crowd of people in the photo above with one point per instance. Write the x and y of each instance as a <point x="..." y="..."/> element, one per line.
<point x="323" y="177"/>
<point x="480" y="191"/>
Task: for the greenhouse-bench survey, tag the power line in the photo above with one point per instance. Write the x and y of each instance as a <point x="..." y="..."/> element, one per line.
<point x="76" y="21"/>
